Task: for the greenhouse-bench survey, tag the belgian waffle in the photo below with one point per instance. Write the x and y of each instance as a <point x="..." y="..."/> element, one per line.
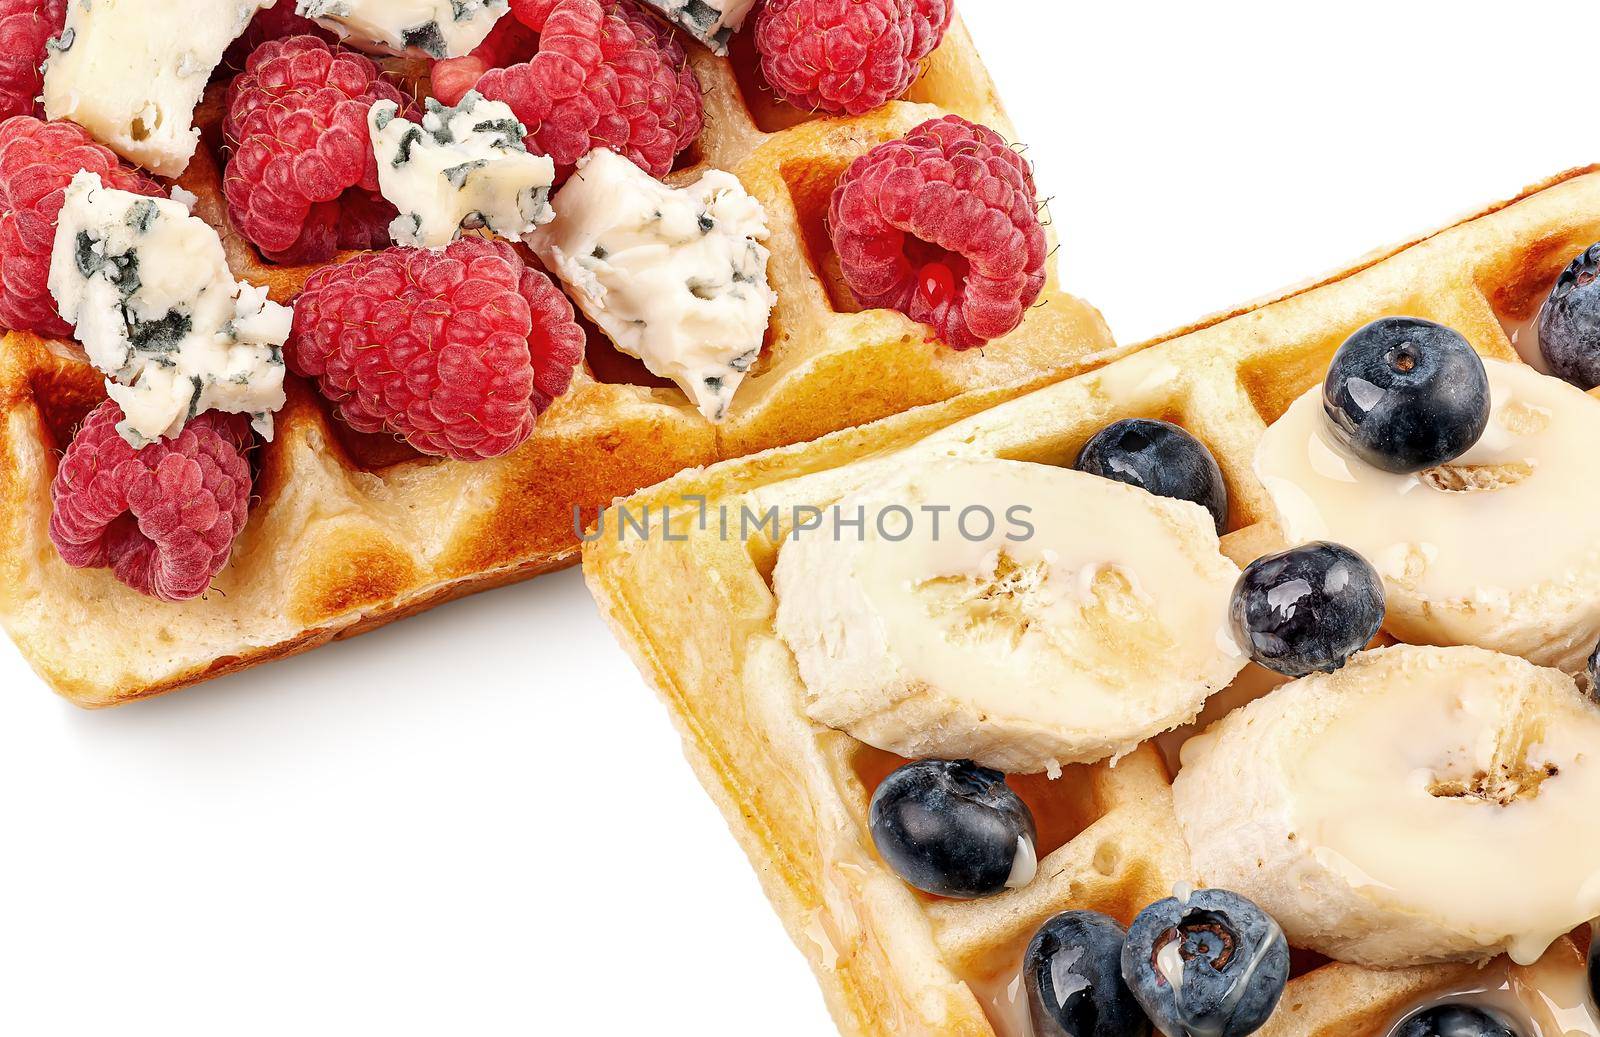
<point x="351" y="531"/>
<point x="698" y="618"/>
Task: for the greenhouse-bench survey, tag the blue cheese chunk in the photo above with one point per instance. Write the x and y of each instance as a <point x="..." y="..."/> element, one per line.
<point x="674" y="276"/>
<point x="131" y="72"/>
<point x="151" y="299"/>
<point x="434" y="28"/>
<point x="463" y="167"/>
<point x="712" y="22"/>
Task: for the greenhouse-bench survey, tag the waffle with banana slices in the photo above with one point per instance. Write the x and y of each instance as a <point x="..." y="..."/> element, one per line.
<point x="795" y="762"/>
<point x="349" y="531"/>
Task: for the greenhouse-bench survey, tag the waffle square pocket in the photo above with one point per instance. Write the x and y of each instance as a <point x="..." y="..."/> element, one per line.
<point x="809" y="661"/>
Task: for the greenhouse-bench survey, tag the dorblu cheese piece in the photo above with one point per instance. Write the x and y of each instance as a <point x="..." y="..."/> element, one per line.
<point x="675" y="277"/>
<point x="131" y="72"/>
<point x="463" y="167"/>
<point x="712" y="22"/>
<point x="436" y="28"/>
<point x="158" y="311"/>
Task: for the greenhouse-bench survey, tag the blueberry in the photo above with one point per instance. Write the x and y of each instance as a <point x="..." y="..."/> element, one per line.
<point x="1212" y="964"/>
<point x="1306" y="609"/>
<point x="1406" y="394"/>
<point x="1592" y="671"/>
<point x="1569" y="322"/>
<point x="1073" y="972"/>
<point x="1160" y="457"/>
<point x="954" y="829"/>
<point x="1454" y="1021"/>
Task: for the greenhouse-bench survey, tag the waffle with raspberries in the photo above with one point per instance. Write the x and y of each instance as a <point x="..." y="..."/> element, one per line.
<point x="699" y="613"/>
<point x="452" y="418"/>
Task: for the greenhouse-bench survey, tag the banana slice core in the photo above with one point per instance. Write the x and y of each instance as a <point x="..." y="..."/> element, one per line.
<point x="1500" y="548"/>
<point x="1420" y="805"/>
<point x="1017" y="614"/>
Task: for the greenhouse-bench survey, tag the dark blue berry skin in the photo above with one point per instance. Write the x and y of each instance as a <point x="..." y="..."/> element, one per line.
<point x="1454" y="1021"/>
<point x="1306" y="609"/>
<point x="1233" y="958"/>
<point x="1593" y="671"/>
<point x="1406" y="394"/>
<point x="1594" y="968"/>
<point x="1569" y="322"/>
<point x="950" y="827"/>
<point x="1160" y="457"/>
<point x="1073" y="972"/>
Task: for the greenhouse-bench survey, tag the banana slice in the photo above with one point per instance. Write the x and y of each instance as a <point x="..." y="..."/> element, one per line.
<point x="1499" y="549"/>
<point x="1420" y="805"/>
<point x="1017" y="614"/>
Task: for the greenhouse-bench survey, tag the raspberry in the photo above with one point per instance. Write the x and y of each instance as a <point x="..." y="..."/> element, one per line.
<point x="164" y="517"/>
<point x="595" y="73"/>
<point x="25" y="26"/>
<point x="930" y="19"/>
<point x="37" y="161"/>
<point x="942" y="226"/>
<point x="838" y="56"/>
<point x="274" y="23"/>
<point x="507" y="43"/>
<point x="458" y="351"/>
<point x="303" y="179"/>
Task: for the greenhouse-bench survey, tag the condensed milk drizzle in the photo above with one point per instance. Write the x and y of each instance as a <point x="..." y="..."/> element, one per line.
<point x="1005" y="1002"/>
<point x="1170" y="961"/>
<point x="1548" y="999"/>
<point x="1524" y="336"/>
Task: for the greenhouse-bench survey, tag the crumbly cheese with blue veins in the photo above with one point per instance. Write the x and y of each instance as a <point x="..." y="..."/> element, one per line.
<point x="674" y="276"/>
<point x="151" y="299"/>
<point x="131" y="72"/>
<point x="436" y="28"/>
<point x="463" y="167"/>
<point x="712" y="22"/>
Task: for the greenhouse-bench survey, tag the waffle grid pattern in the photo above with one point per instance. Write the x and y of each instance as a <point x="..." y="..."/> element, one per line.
<point x="697" y="617"/>
<point x="353" y="531"/>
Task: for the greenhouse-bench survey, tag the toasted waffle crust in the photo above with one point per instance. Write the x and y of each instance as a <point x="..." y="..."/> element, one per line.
<point x="354" y="531"/>
<point x="697" y="616"/>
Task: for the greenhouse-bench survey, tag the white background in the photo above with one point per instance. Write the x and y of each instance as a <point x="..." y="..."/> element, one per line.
<point x="478" y="822"/>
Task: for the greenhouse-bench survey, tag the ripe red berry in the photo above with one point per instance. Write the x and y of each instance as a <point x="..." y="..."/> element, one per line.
<point x="457" y="350"/>
<point x="929" y="20"/>
<point x="37" y="162"/>
<point x="588" y="74"/>
<point x="303" y="180"/>
<point x="164" y="517"/>
<point x="942" y="226"/>
<point x="271" y="23"/>
<point x="839" y="56"/>
<point x="936" y="285"/>
<point x="25" y="27"/>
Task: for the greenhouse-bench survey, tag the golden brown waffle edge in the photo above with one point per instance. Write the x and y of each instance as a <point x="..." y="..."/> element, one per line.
<point x="697" y="615"/>
<point x="350" y="531"/>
